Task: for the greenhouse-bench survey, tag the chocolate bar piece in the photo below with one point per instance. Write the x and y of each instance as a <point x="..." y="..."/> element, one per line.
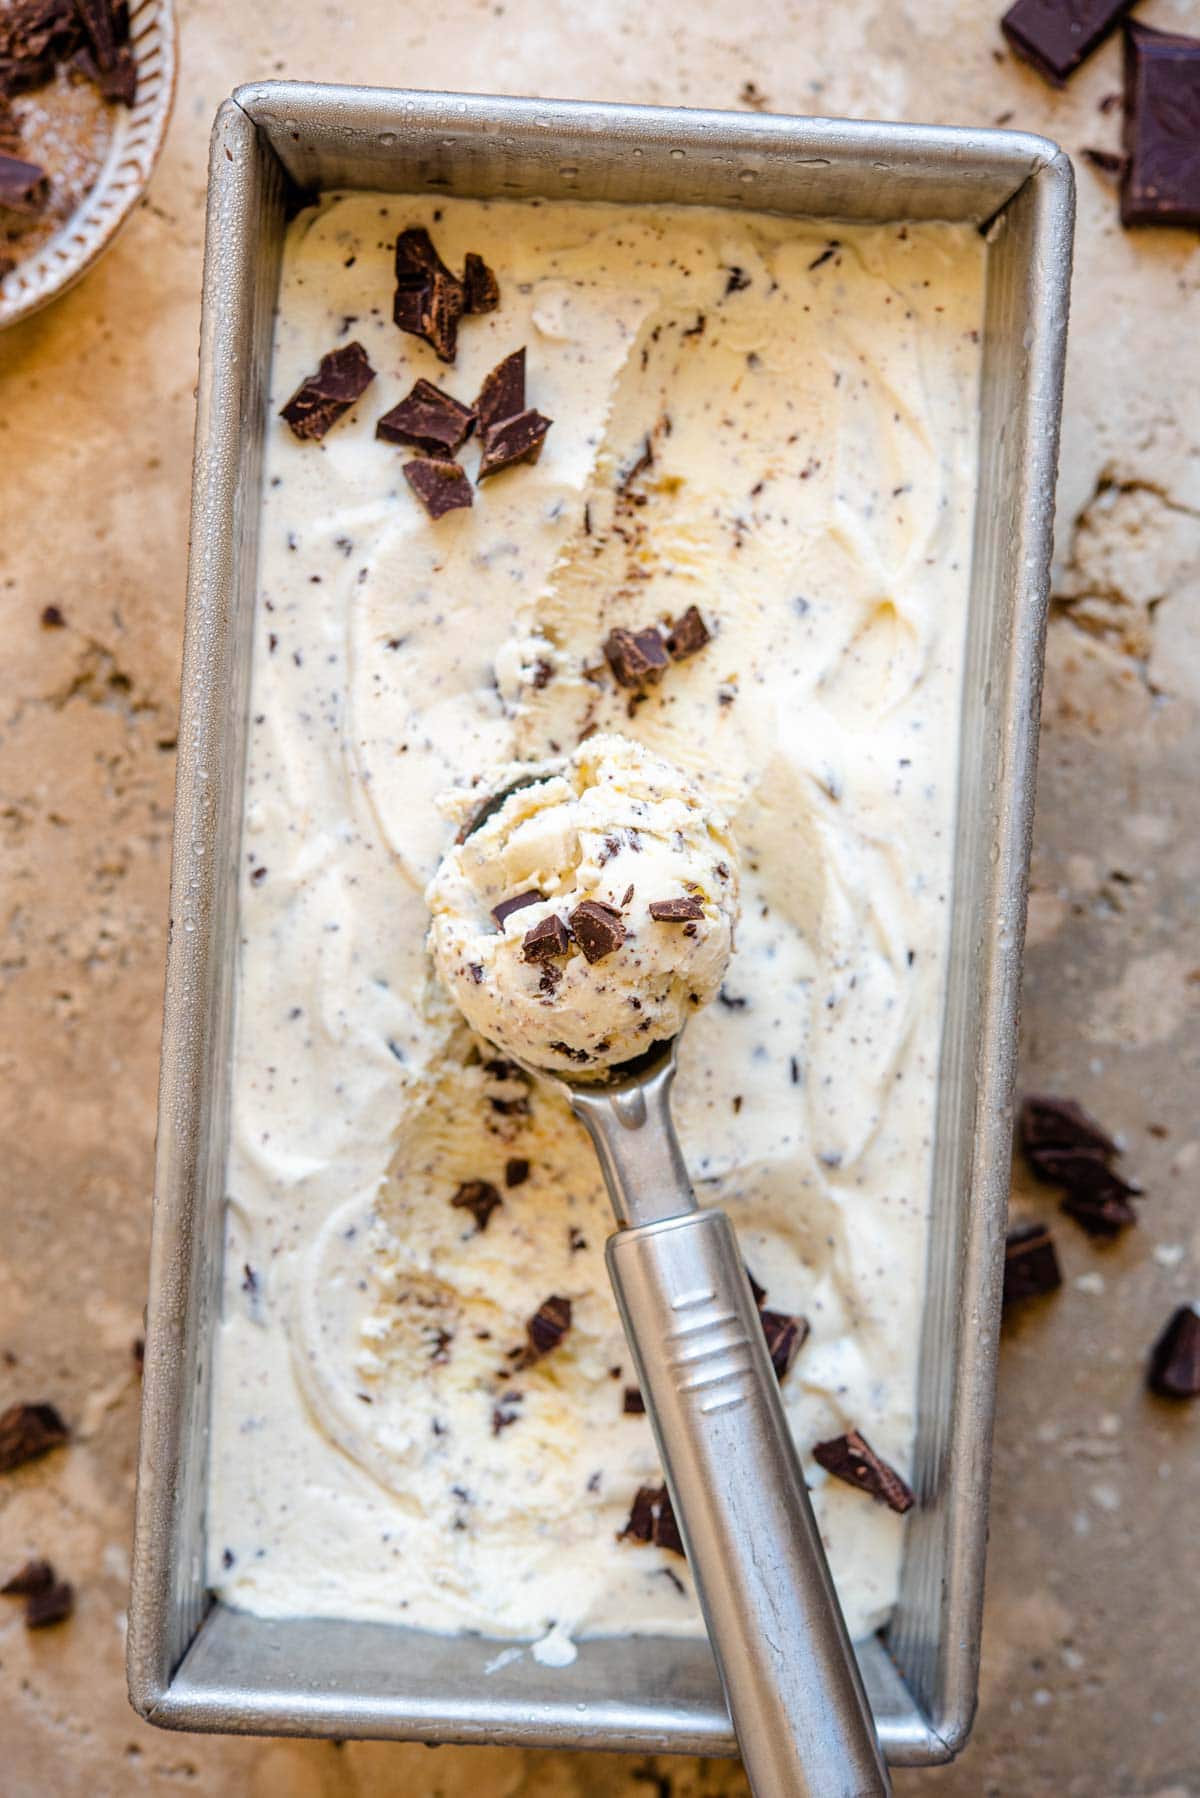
<point x="440" y="486"/>
<point x="675" y="911"/>
<point x="597" y="928"/>
<point x="518" y="902"/>
<point x="517" y="439"/>
<point x="429" y="300"/>
<point x="1030" y="1263"/>
<point x="851" y="1458"/>
<point x="1055" y="36"/>
<point x="652" y="1519"/>
<point x="27" y="1431"/>
<point x="687" y="634"/>
<point x="320" y="400"/>
<point x="428" y="419"/>
<point x="480" y="1198"/>
<point x="637" y="658"/>
<point x="1174" y="1370"/>
<point x="1161" y="184"/>
<point x="547" y="938"/>
<point x="546" y="1329"/>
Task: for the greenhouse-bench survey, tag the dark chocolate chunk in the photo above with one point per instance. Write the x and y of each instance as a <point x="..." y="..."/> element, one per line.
<point x="27" y="1431"/>
<point x="1162" y="128"/>
<point x="1055" y="36"/>
<point x="759" y="1292"/>
<point x="117" y="82"/>
<point x="576" y="1055"/>
<point x="22" y="185"/>
<point x="503" y="392"/>
<point x="480" y="286"/>
<point x="546" y="939"/>
<point x="688" y="633"/>
<point x="319" y="401"/>
<point x="597" y="928"/>
<point x="851" y="1458"/>
<point x="100" y="25"/>
<point x="785" y="1336"/>
<point x="675" y="911"/>
<point x="1048" y="1123"/>
<point x="516" y="1171"/>
<point x="1030" y="1264"/>
<point x="480" y="1198"/>
<point x="1096" y="1196"/>
<point x="652" y="1519"/>
<point x="429" y="420"/>
<point x="546" y="1328"/>
<point x="736" y="280"/>
<point x="513" y="440"/>
<point x="429" y="300"/>
<point x="34" y="1576"/>
<point x="637" y="658"/>
<point x="53" y="618"/>
<point x="507" y="907"/>
<point x="440" y="486"/>
<point x="38" y="31"/>
<point x="632" y="1403"/>
<point x="1174" y="1370"/>
<point x="576" y="1240"/>
<point x="52" y="1605"/>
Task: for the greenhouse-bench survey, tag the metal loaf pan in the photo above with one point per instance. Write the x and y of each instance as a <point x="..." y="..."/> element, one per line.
<point x="194" y="1663"/>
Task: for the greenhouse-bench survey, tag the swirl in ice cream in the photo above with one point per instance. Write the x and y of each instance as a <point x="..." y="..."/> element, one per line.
<point x="592" y="913"/>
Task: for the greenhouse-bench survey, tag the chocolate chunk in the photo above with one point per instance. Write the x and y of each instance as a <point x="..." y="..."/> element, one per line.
<point x="440" y="486"/>
<point x="507" y="907"/>
<point x="99" y="22"/>
<point x="34" y="1576"/>
<point x="546" y="1328"/>
<point x="675" y="911"/>
<point x="1162" y="128"/>
<point x="597" y="928"/>
<point x="513" y="440"/>
<point x="785" y="1336"/>
<point x="1030" y="1264"/>
<point x="1055" y="36"/>
<point x="429" y="300"/>
<point x="38" y="31"/>
<point x="506" y="1411"/>
<point x="481" y="289"/>
<point x="52" y="1605"/>
<point x="319" y="401"/>
<point x="1106" y="161"/>
<point x="480" y="1198"/>
<point x="637" y="658"/>
<point x="1048" y="1123"/>
<point x="576" y="1055"/>
<point x="688" y="633"/>
<point x="1174" y="1370"/>
<point x="1096" y="1196"/>
<point x="652" y="1519"/>
<point x="516" y="1171"/>
<point x="503" y="392"/>
<point x="23" y="185"/>
<point x="53" y="618"/>
<point x="632" y="1403"/>
<point x="27" y="1431"/>
<point x="546" y="939"/>
<point x="576" y="1240"/>
<point x="759" y="1292"/>
<point x="851" y="1458"/>
<point x="429" y="420"/>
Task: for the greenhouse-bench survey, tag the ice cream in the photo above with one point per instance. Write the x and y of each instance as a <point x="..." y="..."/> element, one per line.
<point x="592" y="914"/>
<point x="759" y="426"/>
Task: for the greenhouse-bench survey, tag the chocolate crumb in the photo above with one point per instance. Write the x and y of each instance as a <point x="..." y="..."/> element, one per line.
<point x="1030" y="1264"/>
<point x="546" y="1329"/>
<point x="54" y="1604"/>
<point x="736" y="280"/>
<point x="427" y="419"/>
<point x="785" y="1336"/>
<point x="506" y="1412"/>
<point x="637" y="658"/>
<point x="577" y="1055"/>
<point x="820" y="260"/>
<point x="851" y="1458"/>
<point x="34" y="1576"/>
<point x="597" y="928"/>
<point x="549" y="978"/>
<point x="576" y="1240"/>
<point x="480" y="1198"/>
<point x="1174" y="1370"/>
<point x="516" y="1171"/>
<point x="53" y="619"/>
<point x="675" y="911"/>
<point x="440" y="486"/>
<point x="652" y="1520"/>
<point x="28" y="1431"/>
<point x="732" y="1001"/>
<point x="547" y="938"/>
<point x="687" y="634"/>
<point x="507" y="907"/>
<point x="475" y="970"/>
<point x="321" y="399"/>
<point x="632" y="1403"/>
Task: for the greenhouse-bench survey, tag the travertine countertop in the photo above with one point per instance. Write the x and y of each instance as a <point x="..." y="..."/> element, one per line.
<point x="1087" y="1685"/>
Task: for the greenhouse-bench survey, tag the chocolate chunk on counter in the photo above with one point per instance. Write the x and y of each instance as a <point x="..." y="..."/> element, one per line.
<point x="53" y="1604"/>
<point x="758" y="1292"/>
<point x="785" y="1336"/>
<point x="34" y="1576"/>
<point x="518" y="902"/>
<point x="1055" y="36"/>
<point x="440" y="486"/>
<point x="27" y="1431"/>
<point x="632" y="1402"/>
<point x="428" y="419"/>
<point x="481" y="290"/>
<point x="851" y="1458"/>
<point x="1048" y="1123"/>
<point x="637" y="658"/>
<point x="652" y="1520"/>
<point x="516" y="1171"/>
<point x="1174" y="1370"/>
<point x="429" y="300"/>
<point x="687" y="634"/>
<point x="1030" y="1264"/>
<point x="1161" y="184"/>
<point x="23" y="186"/>
<point x="503" y="392"/>
<point x="597" y="928"/>
<point x="1096" y="1196"/>
<point x="343" y="377"/>
<point x="547" y="938"/>
<point x="546" y="1329"/>
<point x="480" y="1198"/>
<point x="513" y="440"/>
<point x="675" y="911"/>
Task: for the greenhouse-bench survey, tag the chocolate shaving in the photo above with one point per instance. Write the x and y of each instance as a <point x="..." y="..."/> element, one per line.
<point x="546" y="939"/>
<point x="27" y="1431"/>
<point x="440" y="486"/>
<point x="597" y="928"/>
<point x="1048" y="1123"/>
<point x="507" y="907"/>
<point x="1174" y="1370"/>
<point x="675" y="911"/>
<point x="687" y="634"/>
<point x="516" y="1171"/>
<point x="23" y="186"/>
<point x="632" y="1403"/>
<point x="481" y="290"/>
<point x="637" y="658"/>
<point x="513" y="440"/>
<point x="428" y="419"/>
<point x="1161" y="184"/>
<point x="851" y="1458"/>
<point x="323" y="398"/>
<point x="429" y="300"/>
<point x="1030" y="1264"/>
<point x="1055" y="36"/>
<point x="652" y="1520"/>
<point x="503" y="392"/>
<point x="480" y="1198"/>
<point x="785" y="1336"/>
<point x="506" y="1411"/>
<point x="546" y="1328"/>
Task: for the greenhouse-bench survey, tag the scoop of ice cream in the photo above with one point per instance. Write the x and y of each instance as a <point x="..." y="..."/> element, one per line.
<point x="591" y="913"/>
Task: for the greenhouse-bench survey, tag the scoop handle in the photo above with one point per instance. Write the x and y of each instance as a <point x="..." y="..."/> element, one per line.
<point x="790" y="1677"/>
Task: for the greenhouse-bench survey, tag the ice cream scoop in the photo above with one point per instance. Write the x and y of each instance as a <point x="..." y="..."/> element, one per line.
<point x="787" y="1666"/>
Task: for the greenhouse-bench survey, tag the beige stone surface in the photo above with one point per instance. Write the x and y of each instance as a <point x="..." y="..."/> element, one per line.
<point x="1087" y="1687"/>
